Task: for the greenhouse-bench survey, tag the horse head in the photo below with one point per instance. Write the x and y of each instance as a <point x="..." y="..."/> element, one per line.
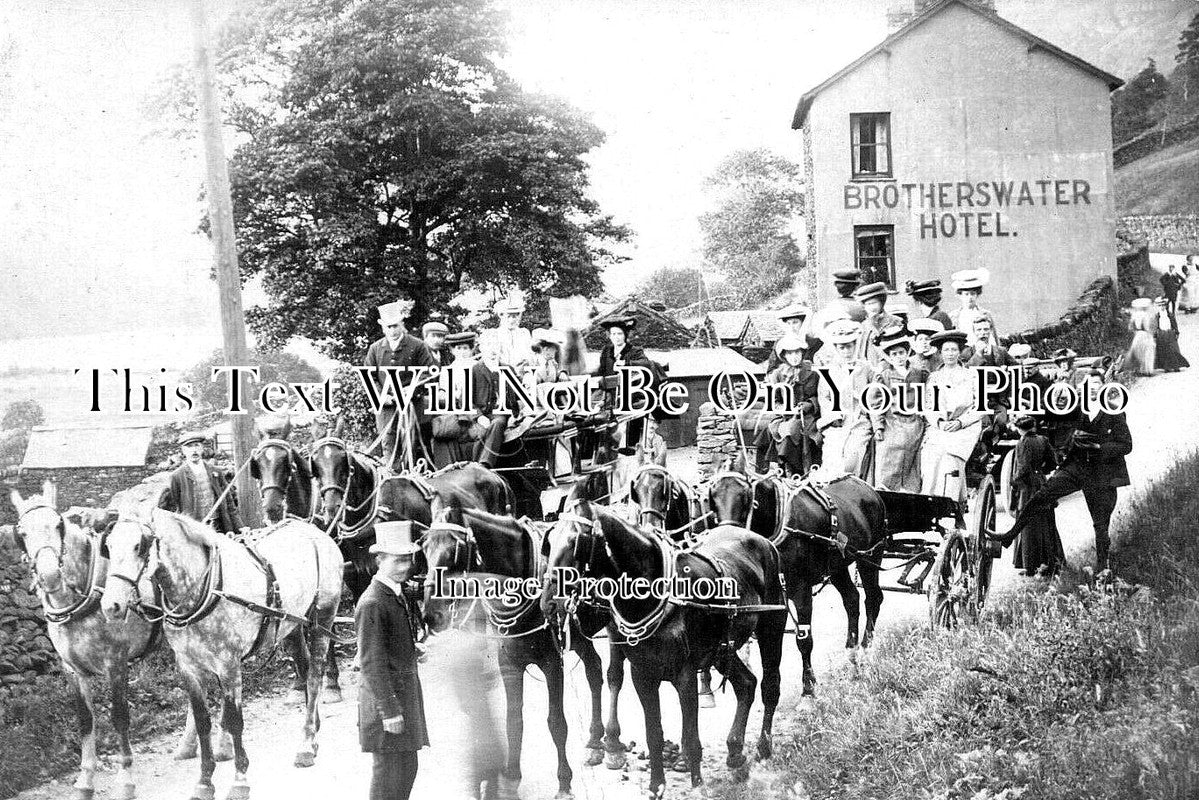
<point x="41" y="533"/>
<point x="651" y="488"/>
<point x="573" y="548"/>
<point x="128" y="544"/>
<point x="731" y="497"/>
<point x="331" y="465"/>
<point x="448" y="549"/>
<point x="271" y="465"/>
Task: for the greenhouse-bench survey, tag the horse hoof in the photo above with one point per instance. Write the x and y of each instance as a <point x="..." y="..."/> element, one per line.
<point x="204" y="792"/>
<point x="331" y="696"/>
<point x="184" y="753"/>
<point x="238" y="791"/>
<point x="223" y="754"/>
<point x="305" y="759"/>
<point x="595" y="757"/>
<point x="681" y="764"/>
<point x="82" y="793"/>
<point x="296" y="697"/>
<point x="740" y="774"/>
<point x="707" y="700"/>
<point x="807" y="704"/>
<point x="614" y="760"/>
<point x="509" y="788"/>
<point x="564" y="794"/>
<point x="736" y="760"/>
<point x="765" y="749"/>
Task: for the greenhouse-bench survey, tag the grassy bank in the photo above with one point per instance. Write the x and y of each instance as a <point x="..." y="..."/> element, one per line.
<point x="1087" y="691"/>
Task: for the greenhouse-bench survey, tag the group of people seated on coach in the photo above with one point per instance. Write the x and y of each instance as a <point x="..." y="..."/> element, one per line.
<point x="537" y="357"/>
<point x="910" y="446"/>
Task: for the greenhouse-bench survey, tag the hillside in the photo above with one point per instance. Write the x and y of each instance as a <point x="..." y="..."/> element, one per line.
<point x="1161" y="183"/>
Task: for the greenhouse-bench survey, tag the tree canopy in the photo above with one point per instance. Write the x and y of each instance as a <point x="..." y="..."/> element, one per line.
<point x="1135" y="107"/>
<point x="674" y="287"/>
<point x="386" y="153"/>
<point x="748" y="238"/>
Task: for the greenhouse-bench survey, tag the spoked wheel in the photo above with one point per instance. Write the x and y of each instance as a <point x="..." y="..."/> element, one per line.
<point x="951" y="583"/>
<point x="982" y="523"/>
<point x="1004" y="500"/>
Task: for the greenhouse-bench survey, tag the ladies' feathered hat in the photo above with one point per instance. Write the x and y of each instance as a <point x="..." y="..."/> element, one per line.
<point x="941" y="338"/>
<point x="926" y="325"/>
<point x="870" y="291"/>
<point x="971" y="279"/>
<point x="893" y="337"/>
<point x="843" y="331"/>
<point x="789" y="343"/>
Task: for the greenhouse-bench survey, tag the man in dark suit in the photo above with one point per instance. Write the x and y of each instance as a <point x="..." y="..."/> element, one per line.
<point x="391" y="710"/>
<point x="1094" y="465"/>
<point x="397" y="348"/>
<point x="196" y="485"/>
<point x="1171" y="284"/>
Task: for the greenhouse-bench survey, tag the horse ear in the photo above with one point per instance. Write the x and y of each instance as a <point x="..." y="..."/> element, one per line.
<point x="341" y="422"/>
<point x="286" y="427"/>
<point x="18" y="502"/>
<point x="50" y="493"/>
<point x="255" y="470"/>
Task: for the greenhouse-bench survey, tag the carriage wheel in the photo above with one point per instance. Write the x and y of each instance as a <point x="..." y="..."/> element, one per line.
<point x="951" y="583"/>
<point x="981" y="524"/>
<point x="1004" y="500"/>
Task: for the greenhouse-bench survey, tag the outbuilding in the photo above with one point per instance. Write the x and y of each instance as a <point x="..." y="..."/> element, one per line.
<point x="963" y="141"/>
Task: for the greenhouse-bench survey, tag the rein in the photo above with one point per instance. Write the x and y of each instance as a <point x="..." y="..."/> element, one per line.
<point x="89" y="595"/>
<point x="288" y="448"/>
<point x="338" y="523"/>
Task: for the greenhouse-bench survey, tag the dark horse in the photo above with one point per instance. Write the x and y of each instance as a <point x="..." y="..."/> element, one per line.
<point x="815" y="541"/>
<point x="666" y="503"/>
<point x="502" y="546"/>
<point x="671" y="637"/>
<point x="285" y="480"/>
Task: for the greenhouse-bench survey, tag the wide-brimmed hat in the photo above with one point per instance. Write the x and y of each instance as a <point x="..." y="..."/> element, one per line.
<point x="899" y="310"/>
<point x="189" y="437"/>
<point x="394" y="538"/>
<point x="1064" y="354"/>
<point x="1142" y="302"/>
<point x="925" y="325"/>
<point x="843" y="331"/>
<point x="626" y="324"/>
<point x="794" y="311"/>
<point x="460" y="338"/>
<point x="789" y="343"/>
<point x="971" y="279"/>
<point x="919" y="289"/>
<point x="512" y="304"/>
<point x="549" y="336"/>
<point x="392" y="313"/>
<point x="893" y="336"/>
<point x="847" y="276"/>
<point x="941" y="338"/>
<point x="870" y="291"/>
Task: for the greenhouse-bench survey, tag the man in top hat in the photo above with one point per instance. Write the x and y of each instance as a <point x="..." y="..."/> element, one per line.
<point x="433" y="334"/>
<point x="482" y="424"/>
<point x="196" y="484"/>
<point x="969" y="283"/>
<point x="391" y="711"/>
<point x="397" y="348"/>
<point x="510" y="345"/>
<point x="873" y="297"/>
<point x="927" y="295"/>
<point x="1094" y="465"/>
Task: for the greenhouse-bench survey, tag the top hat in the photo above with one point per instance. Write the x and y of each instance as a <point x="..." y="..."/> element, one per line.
<point x="843" y="331"/>
<point x="794" y="311"/>
<point x="941" y="338"/>
<point x="971" y="279"/>
<point x="926" y="325"/>
<point x="789" y="343"/>
<point x="462" y="337"/>
<point x="394" y="313"/>
<point x="394" y="538"/>
<point x="549" y="336"/>
<point x="624" y="323"/>
<point x="893" y="336"/>
<point x="1064" y="354"/>
<point x="193" y="436"/>
<point x="870" y="291"/>
<point x="847" y="276"/>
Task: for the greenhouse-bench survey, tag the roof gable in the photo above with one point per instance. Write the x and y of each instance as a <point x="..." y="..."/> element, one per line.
<point x="1034" y="41"/>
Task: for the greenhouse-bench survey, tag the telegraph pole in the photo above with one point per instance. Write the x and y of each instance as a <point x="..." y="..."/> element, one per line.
<point x="220" y="217"/>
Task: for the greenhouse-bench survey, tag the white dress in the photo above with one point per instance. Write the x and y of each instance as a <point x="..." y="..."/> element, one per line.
<point x="956" y="396"/>
<point x="835" y="424"/>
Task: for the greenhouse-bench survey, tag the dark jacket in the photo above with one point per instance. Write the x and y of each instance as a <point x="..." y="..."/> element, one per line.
<point x="1171" y="284"/>
<point x="390" y="685"/>
<point x="995" y="357"/>
<point x="1033" y="460"/>
<point x="1105" y="466"/>
<point x="411" y="352"/>
<point x="183" y="498"/>
<point x="632" y="354"/>
<point x="941" y="317"/>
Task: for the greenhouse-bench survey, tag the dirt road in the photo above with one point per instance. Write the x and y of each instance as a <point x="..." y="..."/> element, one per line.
<point x="1162" y="428"/>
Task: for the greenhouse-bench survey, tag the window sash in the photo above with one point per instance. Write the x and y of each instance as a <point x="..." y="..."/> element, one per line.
<point x="870" y="136"/>
<point x="874" y="254"/>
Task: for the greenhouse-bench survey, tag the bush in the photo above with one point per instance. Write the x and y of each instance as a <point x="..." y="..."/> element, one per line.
<point x="273" y="366"/>
<point x="22" y="415"/>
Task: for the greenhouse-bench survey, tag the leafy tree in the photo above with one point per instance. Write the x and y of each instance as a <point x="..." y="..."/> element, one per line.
<point x="385" y="152"/>
<point x="22" y="415"/>
<point x="1183" y="101"/>
<point x="748" y="238"/>
<point x="273" y="366"/>
<point x="1136" y="106"/>
<point x="674" y="287"/>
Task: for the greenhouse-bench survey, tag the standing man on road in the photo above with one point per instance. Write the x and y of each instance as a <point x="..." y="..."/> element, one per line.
<point x="196" y="485"/>
<point x="1094" y="465"/>
<point x="397" y="348"/>
<point x="391" y="709"/>
<point x="1172" y="282"/>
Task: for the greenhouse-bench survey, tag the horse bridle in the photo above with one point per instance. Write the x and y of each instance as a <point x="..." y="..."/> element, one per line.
<point x="59" y="553"/>
<point x="287" y="448"/>
<point x="345" y="509"/>
<point x="667" y="479"/>
<point x="745" y="482"/>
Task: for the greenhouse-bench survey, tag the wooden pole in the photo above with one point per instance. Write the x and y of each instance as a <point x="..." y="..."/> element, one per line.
<point x="224" y="246"/>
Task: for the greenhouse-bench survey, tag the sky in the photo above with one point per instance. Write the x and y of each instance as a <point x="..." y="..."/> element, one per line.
<point x="98" y="210"/>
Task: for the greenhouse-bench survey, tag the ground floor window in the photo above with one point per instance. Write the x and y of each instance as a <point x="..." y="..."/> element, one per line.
<point x="874" y="253"/>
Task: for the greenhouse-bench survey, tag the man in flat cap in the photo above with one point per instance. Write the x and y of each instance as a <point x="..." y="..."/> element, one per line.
<point x="433" y="334"/>
<point x="196" y="484"/>
<point x="391" y="709"/>
<point x="927" y="295"/>
<point x="397" y="348"/>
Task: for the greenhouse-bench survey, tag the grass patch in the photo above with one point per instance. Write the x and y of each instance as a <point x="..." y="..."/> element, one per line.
<point x="1086" y="689"/>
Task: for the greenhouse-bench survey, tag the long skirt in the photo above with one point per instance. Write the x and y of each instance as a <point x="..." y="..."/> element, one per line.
<point x="945" y="452"/>
<point x="897" y="456"/>
<point x="1139" y="359"/>
<point x="834" y="446"/>
<point x="1169" y="357"/>
<point x="1039" y="544"/>
<point x="857" y="453"/>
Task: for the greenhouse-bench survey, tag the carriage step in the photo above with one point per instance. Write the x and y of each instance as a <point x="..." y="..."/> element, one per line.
<point x="917" y="582"/>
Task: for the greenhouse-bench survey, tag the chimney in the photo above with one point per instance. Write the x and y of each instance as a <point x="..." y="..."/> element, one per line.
<point x="901" y="12"/>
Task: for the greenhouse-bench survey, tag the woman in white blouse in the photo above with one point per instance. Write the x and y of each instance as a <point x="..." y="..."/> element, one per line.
<point x="955" y="424"/>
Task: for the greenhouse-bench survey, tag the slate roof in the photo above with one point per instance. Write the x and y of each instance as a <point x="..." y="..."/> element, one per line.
<point x="97" y="445"/>
<point x="655" y="330"/>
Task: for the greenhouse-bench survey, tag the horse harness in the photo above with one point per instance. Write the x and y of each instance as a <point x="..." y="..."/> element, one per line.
<point x="288" y="448"/>
<point x="347" y="531"/>
<point x="89" y="596"/>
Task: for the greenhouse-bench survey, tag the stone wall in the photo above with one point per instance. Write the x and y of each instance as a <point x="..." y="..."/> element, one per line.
<point x="716" y="441"/>
<point x="25" y="650"/>
<point x="1152" y="141"/>
<point x="1171" y="233"/>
